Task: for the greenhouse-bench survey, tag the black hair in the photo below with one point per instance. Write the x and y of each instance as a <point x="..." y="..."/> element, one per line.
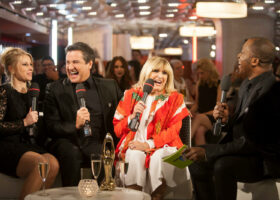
<point x="87" y="51"/>
<point x="47" y="58"/>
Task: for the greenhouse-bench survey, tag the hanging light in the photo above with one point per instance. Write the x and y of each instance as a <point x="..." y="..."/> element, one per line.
<point x="142" y="42"/>
<point x="197" y="31"/>
<point x="218" y="9"/>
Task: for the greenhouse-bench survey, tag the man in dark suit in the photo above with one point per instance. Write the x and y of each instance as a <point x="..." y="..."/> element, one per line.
<point x="65" y="119"/>
<point x="237" y="157"/>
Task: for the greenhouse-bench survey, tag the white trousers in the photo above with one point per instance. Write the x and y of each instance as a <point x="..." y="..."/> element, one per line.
<point x="151" y="178"/>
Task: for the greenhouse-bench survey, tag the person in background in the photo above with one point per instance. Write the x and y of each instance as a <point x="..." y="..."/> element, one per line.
<point x="179" y="82"/>
<point x="250" y="150"/>
<point x="118" y="70"/>
<point x="158" y="132"/>
<point x="50" y="74"/>
<point x="134" y="68"/>
<point x="208" y="92"/>
<point x="137" y="55"/>
<point x="2" y="74"/>
<point x="19" y="156"/>
<point x="65" y="119"/>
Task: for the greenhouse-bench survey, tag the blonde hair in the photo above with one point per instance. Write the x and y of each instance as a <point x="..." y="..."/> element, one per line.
<point x="10" y="57"/>
<point x="155" y="63"/>
<point x="206" y="65"/>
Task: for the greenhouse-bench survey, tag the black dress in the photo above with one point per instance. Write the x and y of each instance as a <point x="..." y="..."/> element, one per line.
<point x="207" y="99"/>
<point x="14" y="142"/>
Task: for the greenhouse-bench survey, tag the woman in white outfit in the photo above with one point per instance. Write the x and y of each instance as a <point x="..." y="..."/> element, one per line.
<point x="158" y="132"/>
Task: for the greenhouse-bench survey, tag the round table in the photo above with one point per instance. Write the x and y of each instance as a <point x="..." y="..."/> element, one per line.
<point x="72" y="193"/>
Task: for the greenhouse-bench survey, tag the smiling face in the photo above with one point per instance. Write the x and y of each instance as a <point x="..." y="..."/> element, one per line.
<point x="160" y="77"/>
<point x="119" y="69"/>
<point x="23" y="69"/>
<point x="77" y="69"/>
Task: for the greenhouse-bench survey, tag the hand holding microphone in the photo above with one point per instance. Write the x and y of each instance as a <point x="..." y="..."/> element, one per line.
<point x="139" y="108"/>
<point x="83" y="115"/>
<point x="220" y="110"/>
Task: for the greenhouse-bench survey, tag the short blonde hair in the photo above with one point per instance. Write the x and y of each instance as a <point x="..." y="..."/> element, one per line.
<point x="10" y="57"/>
<point x="155" y="63"/>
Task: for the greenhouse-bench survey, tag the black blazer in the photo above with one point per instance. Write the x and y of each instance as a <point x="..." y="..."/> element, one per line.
<point x="61" y="105"/>
<point x="236" y="140"/>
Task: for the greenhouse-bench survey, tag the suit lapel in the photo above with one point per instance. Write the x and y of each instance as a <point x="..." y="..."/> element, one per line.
<point x="262" y="87"/>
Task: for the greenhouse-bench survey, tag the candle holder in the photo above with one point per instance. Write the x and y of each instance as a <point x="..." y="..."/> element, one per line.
<point x="88" y="187"/>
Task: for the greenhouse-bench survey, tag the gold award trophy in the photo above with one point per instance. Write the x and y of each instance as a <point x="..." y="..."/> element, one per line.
<point x="108" y="160"/>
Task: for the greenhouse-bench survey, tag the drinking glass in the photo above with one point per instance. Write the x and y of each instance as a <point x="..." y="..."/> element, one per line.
<point x="123" y="170"/>
<point x="43" y="167"/>
<point x="95" y="165"/>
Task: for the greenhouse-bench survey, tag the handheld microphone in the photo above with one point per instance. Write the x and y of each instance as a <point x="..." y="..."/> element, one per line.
<point x="81" y="91"/>
<point x="225" y="85"/>
<point x="147" y="89"/>
<point x="34" y="92"/>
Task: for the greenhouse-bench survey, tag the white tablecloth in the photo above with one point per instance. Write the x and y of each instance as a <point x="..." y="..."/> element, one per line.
<point x="72" y="193"/>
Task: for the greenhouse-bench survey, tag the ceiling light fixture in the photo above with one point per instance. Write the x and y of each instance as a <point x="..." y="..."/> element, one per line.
<point x="169" y="15"/>
<point x="86" y="8"/>
<point x="163" y="35"/>
<point x="119" y="15"/>
<point x="17" y="2"/>
<point x="29" y="9"/>
<point x="221" y="9"/>
<point x="142" y="1"/>
<point x="142" y="42"/>
<point x="269" y="1"/>
<point x="144" y="7"/>
<point x="113" y="5"/>
<point x="145" y="13"/>
<point x="92" y="13"/>
<point x="173" y="4"/>
<point x="173" y="51"/>
<point x="198" y="31"/>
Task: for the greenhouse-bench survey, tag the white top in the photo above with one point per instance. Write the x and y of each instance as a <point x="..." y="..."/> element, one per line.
<point x="141" y="134"/>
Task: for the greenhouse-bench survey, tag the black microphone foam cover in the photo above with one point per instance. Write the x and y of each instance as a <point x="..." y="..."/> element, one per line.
<point x="34" y="90"/>
<point x="148" y="86"/>
<point x="80" y="90"/>
<point x="226" y="83"/>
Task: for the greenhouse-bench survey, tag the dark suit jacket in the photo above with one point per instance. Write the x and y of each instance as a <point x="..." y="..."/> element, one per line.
<point x="236" y="141"/>
<point x="61" y="105"/>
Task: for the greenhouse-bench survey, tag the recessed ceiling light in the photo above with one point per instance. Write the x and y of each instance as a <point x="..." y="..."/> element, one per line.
<point x="119" y="15"/>
<point x="144" y="7"/>
<point x="170" y="15"/>
<point x="213" y="46"/>
<point x="269" y="1"/>
<point x="186" y="41"/>
<point x="145" y="13"/>
<point x="277" y="48"/>
<point x="17" y="2"/>
<point x="52" y="5"/>
<point x="172" y="10"/>
<point x="92" y="13"/>
<point x="113" y="5"/>
<point x="173" y="4"/>
<point x="27" y="34"/>
<point x="212" y="54"/>
<point x="39" y="13"/>
<point x="29" y="9"/>
<point x="86" y="8"/>
<point x="193" y="17"/>
<point x="163" y="35"/>
<point x="142" y="1"/>
<point x="80" y="2"/>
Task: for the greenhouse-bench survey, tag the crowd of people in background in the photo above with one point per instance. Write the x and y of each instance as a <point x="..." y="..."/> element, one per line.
<point x="112" y="101"/>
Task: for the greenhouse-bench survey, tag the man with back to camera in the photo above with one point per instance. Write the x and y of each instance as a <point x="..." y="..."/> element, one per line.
<point x="65" y="119"/>
<point x="240" y="156"/>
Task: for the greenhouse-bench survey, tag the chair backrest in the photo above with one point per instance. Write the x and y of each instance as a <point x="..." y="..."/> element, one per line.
<point x="185" y="132"/>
